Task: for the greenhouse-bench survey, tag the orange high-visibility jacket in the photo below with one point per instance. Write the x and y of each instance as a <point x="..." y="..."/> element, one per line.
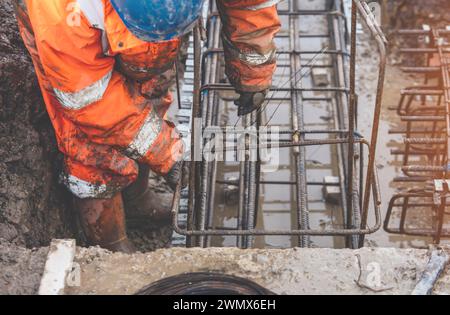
<point x="106" y="91"/>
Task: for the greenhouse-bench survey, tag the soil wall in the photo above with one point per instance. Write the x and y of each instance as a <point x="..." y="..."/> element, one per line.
<point x="33" y="208"/>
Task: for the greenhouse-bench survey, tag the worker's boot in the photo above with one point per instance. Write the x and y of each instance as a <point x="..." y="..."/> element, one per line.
<point x="103" y="222"/>
<point x="142" y="203"/>
<point x="178" y="174"/>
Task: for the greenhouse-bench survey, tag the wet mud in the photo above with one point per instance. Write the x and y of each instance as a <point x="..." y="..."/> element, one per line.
<point x="415" y="13"/>
<point x="283" y="271"/>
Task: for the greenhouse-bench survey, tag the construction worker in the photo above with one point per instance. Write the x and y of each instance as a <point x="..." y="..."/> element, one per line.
<point x="105" y="68"/>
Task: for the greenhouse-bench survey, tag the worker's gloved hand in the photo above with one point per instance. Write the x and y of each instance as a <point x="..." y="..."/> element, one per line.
<point x="180" y="169"/>
<point x="250" y="101"/>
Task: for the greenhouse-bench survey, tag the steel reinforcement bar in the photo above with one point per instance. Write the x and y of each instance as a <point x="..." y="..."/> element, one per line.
<point x="425" y="113"/>
<point x="357" y="187"/>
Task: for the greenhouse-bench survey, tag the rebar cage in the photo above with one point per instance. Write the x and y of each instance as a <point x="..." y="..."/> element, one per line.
<point x="424" y="110"/>
<point x="298" y="88"/>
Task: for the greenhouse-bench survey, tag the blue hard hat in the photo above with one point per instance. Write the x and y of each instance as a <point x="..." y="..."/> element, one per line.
<point x="156" y="20"/>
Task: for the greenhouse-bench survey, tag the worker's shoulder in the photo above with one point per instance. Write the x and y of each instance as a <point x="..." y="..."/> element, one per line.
<point x="58" y="21"/>
<point x="55" y="12"/>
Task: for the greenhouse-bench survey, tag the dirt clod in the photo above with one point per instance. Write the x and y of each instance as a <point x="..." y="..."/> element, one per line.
<point x="20" y="269"/>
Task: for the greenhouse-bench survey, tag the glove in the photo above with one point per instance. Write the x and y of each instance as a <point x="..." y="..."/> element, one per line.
<point x="180" y="169"/>
<point x="250" y="101"/>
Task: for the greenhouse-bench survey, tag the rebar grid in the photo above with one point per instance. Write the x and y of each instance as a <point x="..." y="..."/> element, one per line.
<point x="425" y="113"/>
<point x="355" y="196"/>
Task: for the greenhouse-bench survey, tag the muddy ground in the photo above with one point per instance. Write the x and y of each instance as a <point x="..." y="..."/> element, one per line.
<point x="20" y="268"/>
<point x="283" y="271"/>
<point x="415" y="13"/>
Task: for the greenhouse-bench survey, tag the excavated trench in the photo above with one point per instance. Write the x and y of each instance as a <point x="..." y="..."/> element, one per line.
<point x="34" y="208"/>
